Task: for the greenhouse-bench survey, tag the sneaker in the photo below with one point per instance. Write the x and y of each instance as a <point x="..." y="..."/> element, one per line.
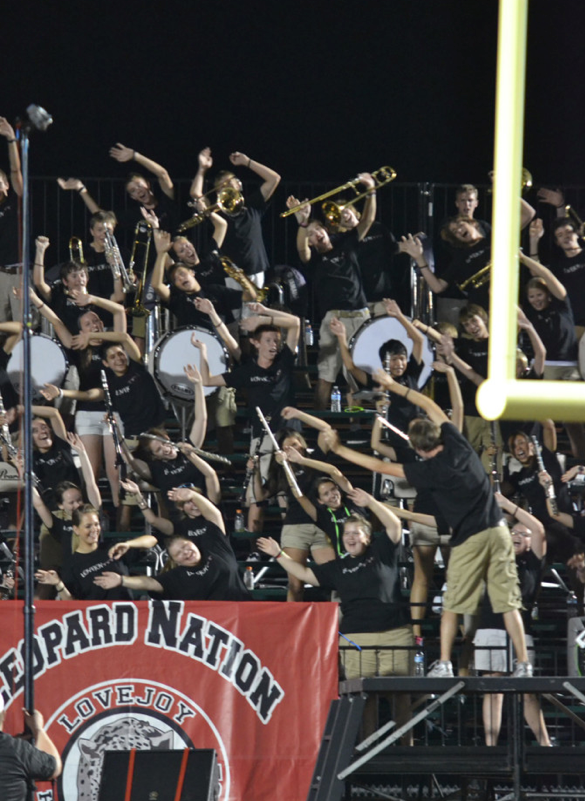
<point x="523" y="670"/>
<point x="441" y="670"/>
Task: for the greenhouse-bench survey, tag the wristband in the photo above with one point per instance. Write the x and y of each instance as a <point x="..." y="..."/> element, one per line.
<point x="60" y="395"/>
<point x="60" y="588"/>
<point x="83" y="189"/>
<point x="121" y="581"/>
<point x="278" y="555"/>
<point x="40" y="307"/>
<point x="249" y="162"/>
<point x="10" y="141"/>
<point x="406" y="395"/>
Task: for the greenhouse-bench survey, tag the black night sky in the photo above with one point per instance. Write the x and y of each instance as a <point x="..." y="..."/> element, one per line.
<point x="316" y="90"/>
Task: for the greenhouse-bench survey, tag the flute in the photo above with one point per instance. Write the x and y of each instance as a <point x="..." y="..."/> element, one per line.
<point x="199" y="451"/>
<point x="290" y="476"/>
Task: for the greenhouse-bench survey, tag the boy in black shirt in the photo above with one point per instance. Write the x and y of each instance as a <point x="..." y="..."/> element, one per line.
<point x="482" y="551"/>
<point x="268" y="379"/>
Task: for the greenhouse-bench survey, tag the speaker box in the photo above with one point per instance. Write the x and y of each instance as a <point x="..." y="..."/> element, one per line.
<point x="156" y="775"/>
<point x="576" y="646"/>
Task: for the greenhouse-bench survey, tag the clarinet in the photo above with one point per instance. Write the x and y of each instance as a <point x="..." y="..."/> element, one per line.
<point x="494" y="471"/>
<point x="550" y="489"/>
<point x="120" y="462"/>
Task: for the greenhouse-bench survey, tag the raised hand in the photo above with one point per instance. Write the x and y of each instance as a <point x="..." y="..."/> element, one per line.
<point x="367" y="180"/>
<point x="269" y="546"/>
<point x="303" y="214"/>
<point x="412" y="245"/>
<point x="42" y="243"/>
<point x="79" y="297"/>
<point x="162" y="241"/>
<point x="6" y="128"/>
<point x="204" y="305"/>
<point x="553" y="197"/>
<point x="359" y="496"/>
<point x="197" y="343"/>
<point x="192" y="373"/>
<point x="47" y="577"/>
<point x="338" y="329"/>
<point x="180" y="494"/>
<point x="150" y="217"/>
<point x="536" y="228"/>
<point x="130" y="486"/>
<point x="118" y="550"/>
<point x="75" y="442"/>
<point x="239" y="159"/>
<point x="80" y="341"/>
<point x="70" y="184"/>
<point x="121" y="153"/>
<point x="392" y="308"/>
<point x="382" y="378"/>
<point x="204" y="158"/>
<point x="50" y="392"/>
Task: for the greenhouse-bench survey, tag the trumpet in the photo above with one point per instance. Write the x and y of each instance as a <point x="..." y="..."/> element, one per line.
<point x="142" y="239"/>
<point x="76" y="250"/>
<point x="525" y="180"/>
<point x="229" y="200"/>
<point x="116" y="261"/>
<point x="238" y="275"/>
<point x="478" y="279"/>
<point x="381" y="177"/>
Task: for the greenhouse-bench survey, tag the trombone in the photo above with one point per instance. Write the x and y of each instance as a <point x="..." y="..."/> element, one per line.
<point x="76" y="250"/>
<point x="381" y="177"/>
<point x="142" y="239"/>
<point x="570" y="212"/>
<point x="229" y="200"/>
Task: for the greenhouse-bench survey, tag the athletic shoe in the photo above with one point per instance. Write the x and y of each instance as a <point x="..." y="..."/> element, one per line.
<point x="523" y="670"/>
<point x="441" y="670"/>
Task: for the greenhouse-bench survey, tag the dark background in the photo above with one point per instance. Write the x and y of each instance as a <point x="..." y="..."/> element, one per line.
<point x="316" y="90"/>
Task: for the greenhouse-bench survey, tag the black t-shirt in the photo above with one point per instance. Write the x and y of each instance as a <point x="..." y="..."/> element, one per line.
<point x="62" y="532"/>
<point x="89" y="367"/>
<point x="571" y="273"/>
<point x="475" y="354"/>
<point x="9" y="252"/>
<point x="337" y="280"/>
<point x="270" y="388"/>
<point x="197" y="529"/>
<point x="80" y="570"/>
<point x="243" y="243"/>
<point x="20" y="764"/>
<point x="556" y="327"/>
<point x="525" y="482"/>
<point x="400" y="411"/>
<point x="459" y="485"/>
<point x="215" y="578"/>
<point x="375" y="254"/>
<point x="210" y="269"/>
<point x="182" y="304"/>
<point x="65" y="308"/>
<point x="136" y="399"/>
<point x="369" y="587"/>
<point x="331" y="522"/>
<point x="295" y="514"/>
<point x="167" y="474"/>
<point x="466" y="262"/>
<point x="54" y="466"/>
<point x="424" y="502"/>
<point x="530" y="569"/>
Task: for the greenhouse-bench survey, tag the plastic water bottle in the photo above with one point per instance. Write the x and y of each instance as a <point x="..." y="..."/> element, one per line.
<point x="336" y="399"/>
<point x="419" y="657"/>
<point x="239" y="521"/>
<point x="309" y="339"/>
<point x="249" y="578"/>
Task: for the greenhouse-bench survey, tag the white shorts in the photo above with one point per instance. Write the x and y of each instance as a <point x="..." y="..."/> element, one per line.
<point x="94" y="424"/>
<point x="492" y="655"/>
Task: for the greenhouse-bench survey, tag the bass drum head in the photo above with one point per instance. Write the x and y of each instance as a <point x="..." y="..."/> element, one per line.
<point x="174" y="350"/>
<point x="48" y="364"/>
<point x="366" y="343"/>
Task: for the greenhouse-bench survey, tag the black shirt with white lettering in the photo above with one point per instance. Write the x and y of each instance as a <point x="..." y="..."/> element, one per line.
<point x="53" y="466"/>
<point x="224" y="299"/>
<point x="466" y="262"/>
<point x="169" y="473"/>
<point x="215" y="578"/>
<point x="270" y="388"/>
<point x="555" y="325"/>
<point x="337" y="280"/>
<point x="525" y="482"/>
<point x="369" y="587"/>
<point x="571" y="273"/>
<point x="136" y="399"/>
<point x="80" y="570"/>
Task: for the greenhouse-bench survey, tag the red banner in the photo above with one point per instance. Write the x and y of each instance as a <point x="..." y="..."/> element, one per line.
<point x="251" y="680"/>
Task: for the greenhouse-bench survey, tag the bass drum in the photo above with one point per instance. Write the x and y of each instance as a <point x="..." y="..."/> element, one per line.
<point x="48" y="364"/>
<point x="173" y="351"/>
<point x="366" y="343"/>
